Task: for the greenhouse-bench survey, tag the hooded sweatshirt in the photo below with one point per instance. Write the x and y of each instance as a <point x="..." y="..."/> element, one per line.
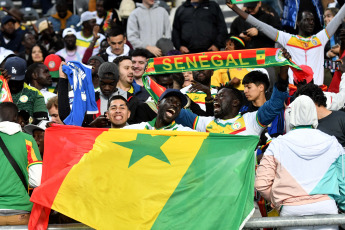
<point x="146" y="25"/>
<point x="302" y="167"/>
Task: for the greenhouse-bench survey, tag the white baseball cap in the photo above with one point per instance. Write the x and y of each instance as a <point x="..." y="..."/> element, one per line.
<point x="68" y="31"/>
<point x="86" y="16"/>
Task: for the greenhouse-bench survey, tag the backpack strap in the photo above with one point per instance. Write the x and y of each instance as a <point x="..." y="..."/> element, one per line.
<point x="13" y="162"/>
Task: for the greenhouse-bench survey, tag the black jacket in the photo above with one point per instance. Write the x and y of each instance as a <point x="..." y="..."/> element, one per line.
<point x="260" y="41"/>
<point x="199" y="28"/>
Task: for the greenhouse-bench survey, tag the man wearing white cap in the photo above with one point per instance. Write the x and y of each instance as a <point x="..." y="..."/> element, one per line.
<point x="71" y="52"/>
<point x="86" y="37"/>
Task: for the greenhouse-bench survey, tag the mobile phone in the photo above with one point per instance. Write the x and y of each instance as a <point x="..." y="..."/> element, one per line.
<point x="244" y="32"/>
<point x="333" y="65"/>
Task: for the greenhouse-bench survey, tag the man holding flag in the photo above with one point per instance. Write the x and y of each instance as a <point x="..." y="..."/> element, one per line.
<point x="227" y="105"/>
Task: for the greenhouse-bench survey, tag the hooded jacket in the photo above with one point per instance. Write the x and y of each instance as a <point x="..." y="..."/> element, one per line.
<point x="146" y="25"/>
<point x="63" y="23"/>
<point x="297" y="169"/>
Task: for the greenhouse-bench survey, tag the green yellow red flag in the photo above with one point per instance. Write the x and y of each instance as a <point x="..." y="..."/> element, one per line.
<point x="5" y="93"/>
<point x="144" y="179"/>
<point x="242" y="1"/>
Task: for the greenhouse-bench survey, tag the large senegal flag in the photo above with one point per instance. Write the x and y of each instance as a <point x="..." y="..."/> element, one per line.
<point x="144" y="179"/>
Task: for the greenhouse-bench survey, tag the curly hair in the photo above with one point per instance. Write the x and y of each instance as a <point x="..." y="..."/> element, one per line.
<point x="314" y="92"/>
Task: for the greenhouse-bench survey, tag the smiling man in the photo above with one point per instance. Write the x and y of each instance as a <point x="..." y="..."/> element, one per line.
<point x="117" y="44"/>
<point x="118" y="112"/>
<point x="39" y="77"/>
<point x="169" y="107"/>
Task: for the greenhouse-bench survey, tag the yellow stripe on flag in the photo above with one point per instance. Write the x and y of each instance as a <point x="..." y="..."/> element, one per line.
<point x="138" y="193"/>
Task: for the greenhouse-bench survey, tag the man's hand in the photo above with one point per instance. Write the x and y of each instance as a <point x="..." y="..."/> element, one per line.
<point x="235" y="81"/>
<point x="5" y="74"/>
<point x="100" y="122"/>
<point x="196" y="86"/>
<point x="154" y="50"/>
<point x="95" y="33"/>
<point x="245" y="37"/>
<point x="61" y="73"/>
<point x="184" y="50"/>
<point x="213" y="48"/>
<point x="252" y="32"/>
<point x="284" y="69"/>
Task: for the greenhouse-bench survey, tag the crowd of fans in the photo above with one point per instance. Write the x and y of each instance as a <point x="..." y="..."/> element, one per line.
<point x="102" y="48"/>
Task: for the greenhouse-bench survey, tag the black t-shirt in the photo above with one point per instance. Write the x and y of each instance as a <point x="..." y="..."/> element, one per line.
<point x="334" y="124"/>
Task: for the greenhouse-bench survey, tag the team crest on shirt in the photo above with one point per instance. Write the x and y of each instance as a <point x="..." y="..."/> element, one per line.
<point x="314" y="42"/>
<point x="23" y="99"/>
<point x="236" y="126"/>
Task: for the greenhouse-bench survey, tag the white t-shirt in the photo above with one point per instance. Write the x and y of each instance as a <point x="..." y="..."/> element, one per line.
<point x="84" y="42"/>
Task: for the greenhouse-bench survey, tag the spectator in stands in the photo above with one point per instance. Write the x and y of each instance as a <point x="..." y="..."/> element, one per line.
<point x="48" y="38"/>
<point x="38" y="76"/>
<point x="63" y="18"/>
<point x="116" y="39"/>
<point x="139" y="61"/>
<point x="192" y="33"/>
<point x="25" y="97"/>
<point x="118" y="112"/>
<point x="305" y="48"/>
<point x="53" y="110"/>
<point x="252" y="37"/>
<point x="89" y="36"/>
<point x="103" y="16"/>
<point x="232" y="76"/>
<point x="169" y="106"/>
<point x="15" y="205"/>
<point x="45" y="4"/>
<point x="37" y="55"/>
<point x="330" y="122"/>
<point x="188" y="77"/>
<point x="37" y="132"/>
<point x="108" y="77"/>
<point x="292" y="172"/>
<point x="10" y="37"/>
<point x="28" y="41"/>
<point x="95" y="62"/>
<point x="126" y="78"/>
<point x="71" y="52"/>
<point x="146" y="24"/>
<point x="227" y="104"/>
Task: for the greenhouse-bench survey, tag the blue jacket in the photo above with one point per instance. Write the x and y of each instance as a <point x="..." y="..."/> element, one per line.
<point x="72" y="20"/>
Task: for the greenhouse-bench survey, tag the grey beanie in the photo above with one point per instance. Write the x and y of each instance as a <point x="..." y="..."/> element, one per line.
<point x="108" y="67"/>
<point x="165" y="45"/>
<point x="98" y="58"/>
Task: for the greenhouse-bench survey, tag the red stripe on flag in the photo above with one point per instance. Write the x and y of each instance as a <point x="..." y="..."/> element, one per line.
<point x="54" y="175"/>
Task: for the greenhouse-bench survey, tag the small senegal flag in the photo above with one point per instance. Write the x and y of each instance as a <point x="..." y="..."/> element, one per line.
<point x="260" y="57"/>
<point x="145" y="179"/>
<point x="5" y="93"/>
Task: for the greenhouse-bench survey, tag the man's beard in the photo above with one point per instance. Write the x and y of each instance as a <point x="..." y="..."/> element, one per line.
<point x="71" y="47"/>
<point x="9" y="36"/>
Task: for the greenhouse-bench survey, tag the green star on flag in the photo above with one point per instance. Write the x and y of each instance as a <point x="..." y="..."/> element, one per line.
<point x="146" y="145"/>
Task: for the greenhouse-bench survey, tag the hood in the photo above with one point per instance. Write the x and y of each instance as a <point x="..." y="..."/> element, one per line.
<point x="306" y="144"/>
<point x="56" y="15"/>
<point x="125" y="51"/>
<point x="10" y="128"/>
<point x="140" y="5"/>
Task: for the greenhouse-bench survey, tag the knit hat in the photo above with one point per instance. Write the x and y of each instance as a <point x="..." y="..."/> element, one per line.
<point x="53" y="62"/>
<point x="98" y="58"/>
<point x="239" y="40"/>
<point x="108" y="67"/>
